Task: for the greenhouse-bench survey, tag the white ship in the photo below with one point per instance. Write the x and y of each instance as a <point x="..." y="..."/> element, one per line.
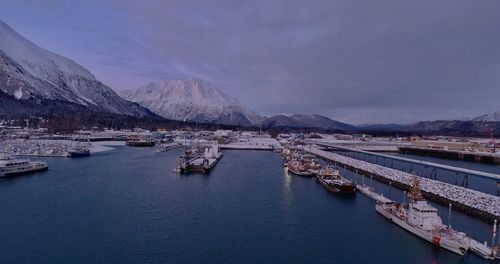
<point x="10" y="166"/>
<point x="421" y="219"/>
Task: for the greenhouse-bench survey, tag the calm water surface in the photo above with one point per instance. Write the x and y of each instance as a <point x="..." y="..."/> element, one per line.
<point x="125" y="206"/>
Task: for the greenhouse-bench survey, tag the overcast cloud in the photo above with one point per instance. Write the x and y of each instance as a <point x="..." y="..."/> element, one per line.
<point x="354" y="61"/>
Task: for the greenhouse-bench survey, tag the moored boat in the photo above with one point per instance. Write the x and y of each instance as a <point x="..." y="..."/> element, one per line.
<point x="200" y="159"/>
<point x="332" y="181"/>
<point x="11" y="166"/>
<point x="296" y="167"/>
<point x="420" y="218"/>
<point x="80" y="152"/>
<point x="310" y="163"/>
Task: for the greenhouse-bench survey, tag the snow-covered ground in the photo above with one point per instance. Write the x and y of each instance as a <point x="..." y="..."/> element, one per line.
<point x="253" y="143"/>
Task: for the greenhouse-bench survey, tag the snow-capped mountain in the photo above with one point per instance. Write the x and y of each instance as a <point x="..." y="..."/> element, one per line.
<point x="305" y="121"/>
<point x="192" y="99"/>
<point x="29" y="72"/>
<point x="489" y="117"/>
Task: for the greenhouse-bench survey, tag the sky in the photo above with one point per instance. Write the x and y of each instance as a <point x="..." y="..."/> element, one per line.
<point x="361" y="62"/>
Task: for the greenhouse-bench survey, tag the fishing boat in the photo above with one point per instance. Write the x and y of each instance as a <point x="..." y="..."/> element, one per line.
<point x="296" y="167"/>
<point x="332" y="181"/>
<point x="310" y="163"/>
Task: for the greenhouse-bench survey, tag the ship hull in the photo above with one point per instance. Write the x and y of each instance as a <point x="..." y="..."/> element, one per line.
<point x="25" y="171"/>
<point x="204" y="167"/>
<point x="338" y="188"/>
<point x="80" y="154"/>
<point x="301" y="173"/>
<point x="454" y="247"/>
<point x="140" y="143"/>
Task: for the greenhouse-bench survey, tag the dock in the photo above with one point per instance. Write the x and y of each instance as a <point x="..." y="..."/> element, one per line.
<point x="370" y="192"/>
<point x="472" y="202"/>
<point x="246" y="147"/>
<point x="482" y="157"/>
<point x="481" y="174"/>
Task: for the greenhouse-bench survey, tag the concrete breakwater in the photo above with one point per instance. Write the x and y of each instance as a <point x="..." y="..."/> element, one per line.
<point x="475" y="203"/>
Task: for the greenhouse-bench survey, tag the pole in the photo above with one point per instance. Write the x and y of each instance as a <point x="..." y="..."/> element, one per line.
<point x="449" y="216"/>
<point x="390" y="189"/>
<point x="493" y="236"/>
<point x="404" y="197"/>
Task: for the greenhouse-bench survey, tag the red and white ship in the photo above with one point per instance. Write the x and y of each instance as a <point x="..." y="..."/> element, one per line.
<point x="421" y="219"/>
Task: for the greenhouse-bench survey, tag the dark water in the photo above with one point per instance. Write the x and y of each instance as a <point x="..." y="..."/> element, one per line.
<point x="125" y="206"/>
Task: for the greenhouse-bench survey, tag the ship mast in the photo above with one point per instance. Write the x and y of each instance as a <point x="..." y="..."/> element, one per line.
<point x="414" y="194"/>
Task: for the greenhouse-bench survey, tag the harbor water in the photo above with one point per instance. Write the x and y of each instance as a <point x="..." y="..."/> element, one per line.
<point x="125" y="205"/>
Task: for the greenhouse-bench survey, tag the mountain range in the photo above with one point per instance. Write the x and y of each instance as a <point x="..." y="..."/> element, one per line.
<point x="305" y="121"/>
<point x="197" y="100"/>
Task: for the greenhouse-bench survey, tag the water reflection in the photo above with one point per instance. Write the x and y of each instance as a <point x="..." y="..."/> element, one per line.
<point x="287" y="192"/>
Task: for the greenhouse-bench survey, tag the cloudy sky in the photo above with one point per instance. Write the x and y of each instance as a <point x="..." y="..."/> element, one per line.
<point x="354" y="61"/>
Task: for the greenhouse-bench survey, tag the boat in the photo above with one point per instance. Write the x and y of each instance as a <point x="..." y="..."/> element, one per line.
<point x="310" y="163"/>
<point x="332" y="181"/>
<point x="163" y="147"/>
<point x="421" y="219"/>
<point x="193" y="161"/>
<point x="140" y="143"/>
<point x="192" y="152"/>
<point x="10" y="166"/>
<point x="296" y="167"/>
<point x="79" y="152"/>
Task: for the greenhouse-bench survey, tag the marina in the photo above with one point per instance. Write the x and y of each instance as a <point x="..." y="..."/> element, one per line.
<point x="469" y="201"/>
<point x="149" y="204"/>
<point x="231" y="132"/>
<point x="45" y="148"/>
<point x="332" y="172"/>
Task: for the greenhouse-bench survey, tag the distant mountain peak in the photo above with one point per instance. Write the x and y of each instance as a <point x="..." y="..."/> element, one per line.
<point x="192" y="99"/>
<point x="489" y="117"/>
<point x="305" y="121"/>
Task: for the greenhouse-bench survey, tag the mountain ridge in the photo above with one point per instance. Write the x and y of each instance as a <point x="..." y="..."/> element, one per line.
<point x="305" y="121"/>
<point x="28" y="71"/>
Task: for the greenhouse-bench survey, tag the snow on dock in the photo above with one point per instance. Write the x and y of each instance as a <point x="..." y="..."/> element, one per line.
<point x="470" y="201"/>
<point x="370" y="192"/>
<point x="253" y="144"/>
